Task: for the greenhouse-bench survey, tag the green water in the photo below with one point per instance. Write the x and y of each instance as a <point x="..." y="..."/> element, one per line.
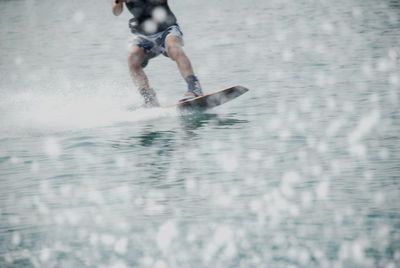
<point x="301" y="171"/>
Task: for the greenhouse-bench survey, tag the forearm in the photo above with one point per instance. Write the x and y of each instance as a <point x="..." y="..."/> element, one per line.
<point x="117" y="7"/>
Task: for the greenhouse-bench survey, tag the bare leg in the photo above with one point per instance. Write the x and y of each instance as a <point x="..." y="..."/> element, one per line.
<point x="135" y="60"/>
<point x="176" y="53"/>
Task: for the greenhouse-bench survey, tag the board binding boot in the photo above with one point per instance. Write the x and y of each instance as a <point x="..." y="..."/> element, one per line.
<point x="194" y="89"/>
<point x="150" y="98"/>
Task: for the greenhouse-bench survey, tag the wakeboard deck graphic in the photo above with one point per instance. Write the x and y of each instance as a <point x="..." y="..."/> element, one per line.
<point x="211" y="100"/>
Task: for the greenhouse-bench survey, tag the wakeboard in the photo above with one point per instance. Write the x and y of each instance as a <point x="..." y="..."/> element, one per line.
<point x="211" y="100"/>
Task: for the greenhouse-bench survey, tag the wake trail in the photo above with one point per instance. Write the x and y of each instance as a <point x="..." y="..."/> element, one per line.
<point x="55" y="112"/>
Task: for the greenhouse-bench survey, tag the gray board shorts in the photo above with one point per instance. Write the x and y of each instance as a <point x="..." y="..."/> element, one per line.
<point x="154" y="45"/>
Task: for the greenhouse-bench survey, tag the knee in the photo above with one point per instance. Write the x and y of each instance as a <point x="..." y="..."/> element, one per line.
<point x="135" y="59"/>
<point x="174" y="48"/>
<point x="175" y="52"/>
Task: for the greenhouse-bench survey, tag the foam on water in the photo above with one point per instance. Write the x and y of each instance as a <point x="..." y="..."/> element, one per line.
<point x="52" y="112"/>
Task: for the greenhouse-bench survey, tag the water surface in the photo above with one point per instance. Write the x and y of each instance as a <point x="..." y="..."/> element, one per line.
<point x="302" y="171"/>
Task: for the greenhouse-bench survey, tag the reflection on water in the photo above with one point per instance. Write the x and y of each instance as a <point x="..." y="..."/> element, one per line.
<point x="194" y="121"/>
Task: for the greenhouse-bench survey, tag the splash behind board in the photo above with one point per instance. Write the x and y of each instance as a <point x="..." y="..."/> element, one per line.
<point x="212" y="100"/>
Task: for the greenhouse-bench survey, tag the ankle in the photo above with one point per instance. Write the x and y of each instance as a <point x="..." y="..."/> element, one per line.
<point x="149" y="96"/>
<point x="147" y="92"/>
<point x="192" y="82"/>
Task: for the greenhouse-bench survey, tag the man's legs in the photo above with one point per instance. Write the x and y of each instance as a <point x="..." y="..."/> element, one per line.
<point x="136" y="58"/>
<point x="173" y="45"/>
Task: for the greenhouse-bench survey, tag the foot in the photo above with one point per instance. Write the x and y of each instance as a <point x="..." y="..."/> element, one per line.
<point x="193" y="92"/>
<point x="150" y="98"/>
<point x="196" y="90"/>
<point x="188" y="96"/>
